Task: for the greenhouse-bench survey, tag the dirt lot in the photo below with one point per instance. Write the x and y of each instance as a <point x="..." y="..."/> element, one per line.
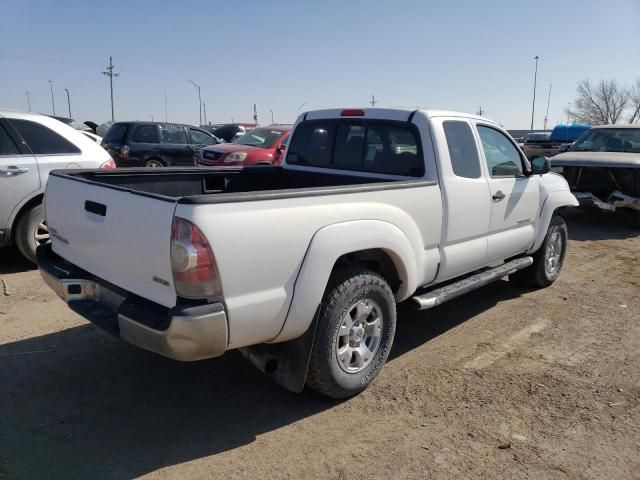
<point x="503" y="383"/>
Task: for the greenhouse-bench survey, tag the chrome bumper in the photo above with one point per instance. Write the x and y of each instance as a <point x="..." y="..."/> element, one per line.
<point x="193" y="332"/>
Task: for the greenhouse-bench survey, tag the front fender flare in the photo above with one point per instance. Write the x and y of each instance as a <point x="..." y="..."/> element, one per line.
<point x="553" y="201"/>
<point x="330" y="243"/>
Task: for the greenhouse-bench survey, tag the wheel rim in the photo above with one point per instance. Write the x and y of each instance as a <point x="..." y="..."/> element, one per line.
<point x="154" y="164"/>
<point x="553" y="253"/>
<point x="41" y="234"/>
<point x="359" y="336"/>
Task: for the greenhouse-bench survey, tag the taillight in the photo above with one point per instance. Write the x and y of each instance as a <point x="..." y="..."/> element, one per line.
<point x="124" y="152"/>
<point x="108" y="164"/>
<point x="352" y="112"/>
<point x="195" y="273"/>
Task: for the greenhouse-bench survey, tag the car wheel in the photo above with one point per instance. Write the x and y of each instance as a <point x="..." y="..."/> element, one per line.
<point x="154" y="163"/>
<point x="31" y="231"/>
<point x="356" y="327"/>
<point x="548" y="260"/>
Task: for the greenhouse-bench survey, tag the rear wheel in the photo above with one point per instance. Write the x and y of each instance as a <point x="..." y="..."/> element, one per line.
<point x="31" y="231"/>
<point x="548" y="260"/>
<point x="355" y="332"/>
<point x="154" y="163"/>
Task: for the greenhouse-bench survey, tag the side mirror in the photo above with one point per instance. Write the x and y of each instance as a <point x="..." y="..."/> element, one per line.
<point x="540" y="166"/>
<point x="564" y="147"/>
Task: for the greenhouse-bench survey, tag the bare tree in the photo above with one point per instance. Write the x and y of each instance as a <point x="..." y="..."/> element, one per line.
<point x="634" y="100"/>
<point x="600" y="104"/>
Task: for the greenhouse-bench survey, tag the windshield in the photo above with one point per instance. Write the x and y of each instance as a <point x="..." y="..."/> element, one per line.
<point x="609" y="140"/>
<point x="259" y="137"/>
<point x="537" y="137"/>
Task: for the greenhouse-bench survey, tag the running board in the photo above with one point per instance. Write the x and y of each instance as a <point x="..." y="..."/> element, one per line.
<point x="454" y="290"/>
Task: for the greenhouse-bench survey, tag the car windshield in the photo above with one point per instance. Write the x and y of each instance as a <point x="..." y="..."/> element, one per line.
<point x="536" y="137"/>
<point x="609" y="140"/>
<point x="259" y="137"/>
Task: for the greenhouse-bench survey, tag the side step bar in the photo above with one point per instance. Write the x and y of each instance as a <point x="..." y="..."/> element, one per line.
<point x="454" y="290"/>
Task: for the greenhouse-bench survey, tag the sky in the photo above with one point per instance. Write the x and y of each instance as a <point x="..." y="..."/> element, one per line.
<point x="285" y="55"/>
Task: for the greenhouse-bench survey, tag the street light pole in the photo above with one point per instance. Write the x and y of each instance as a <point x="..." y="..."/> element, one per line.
<point x="204" y="108"/>
<point x="271" y="116"/>
<point x="199" y="98"/>
<point x="300" y="107"/>
<point x="68" y="101"/>
<point x="53" y="105"/>
<point x="28" y="101"/>
<point x="546" y="116"/>
<point x="535" y="79"/>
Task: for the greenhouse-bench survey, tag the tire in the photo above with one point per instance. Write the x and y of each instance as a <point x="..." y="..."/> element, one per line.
<point x="548" y="260"/>
<point x="31" y="231"/>
<point x="346" y="359"/>
<point x="154" y="163"/>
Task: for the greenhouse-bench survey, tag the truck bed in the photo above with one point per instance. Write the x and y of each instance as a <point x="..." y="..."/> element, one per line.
<point x="197" y="185"/>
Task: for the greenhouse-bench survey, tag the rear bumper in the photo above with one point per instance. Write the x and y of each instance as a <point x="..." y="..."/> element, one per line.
<point x="184" y="333"/>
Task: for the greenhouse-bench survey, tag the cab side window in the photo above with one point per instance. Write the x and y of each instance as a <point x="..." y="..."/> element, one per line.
<point x="7" y="145"/>
<point x="462" y="149"/>
<point x="503" y="159"/>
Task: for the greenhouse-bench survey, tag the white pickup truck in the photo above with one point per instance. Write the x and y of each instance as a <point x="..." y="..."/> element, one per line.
<point x="301" y="266"/>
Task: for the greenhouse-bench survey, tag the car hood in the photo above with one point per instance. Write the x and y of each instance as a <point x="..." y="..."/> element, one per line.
<point x="597" y="159"/>
<point x="232" y="147"/>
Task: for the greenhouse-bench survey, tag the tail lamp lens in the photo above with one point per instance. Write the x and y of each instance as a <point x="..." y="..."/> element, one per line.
<point x="195" y="273"/>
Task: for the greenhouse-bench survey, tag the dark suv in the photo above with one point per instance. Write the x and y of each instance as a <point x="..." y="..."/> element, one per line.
<point x="153" y="144"/>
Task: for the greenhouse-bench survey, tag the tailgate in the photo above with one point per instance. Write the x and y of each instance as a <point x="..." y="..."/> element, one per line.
<point x="117" y="235"/>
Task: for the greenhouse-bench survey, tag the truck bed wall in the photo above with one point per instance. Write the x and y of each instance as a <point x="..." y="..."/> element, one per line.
<point x="186" y="183"/>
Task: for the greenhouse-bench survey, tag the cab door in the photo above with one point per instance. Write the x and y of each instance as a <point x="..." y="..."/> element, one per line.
<point x="19" y="176"/>
<point x="465" y="194"/>
<point x="514" y="196"/>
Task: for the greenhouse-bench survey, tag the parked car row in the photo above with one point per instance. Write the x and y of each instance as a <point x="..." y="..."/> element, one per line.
<point x="32" y="145"/>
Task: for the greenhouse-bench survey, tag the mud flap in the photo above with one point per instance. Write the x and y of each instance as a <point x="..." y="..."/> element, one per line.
<point x="287" y="362"/>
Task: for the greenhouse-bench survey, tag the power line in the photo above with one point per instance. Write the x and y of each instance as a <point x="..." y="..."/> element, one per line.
<point x="109" y="73"/>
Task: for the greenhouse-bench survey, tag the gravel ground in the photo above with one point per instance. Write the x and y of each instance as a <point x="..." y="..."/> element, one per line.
<point x="502" y="383"/>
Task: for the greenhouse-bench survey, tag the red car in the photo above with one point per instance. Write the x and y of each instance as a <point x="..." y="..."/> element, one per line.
<point x="260" y="146"/>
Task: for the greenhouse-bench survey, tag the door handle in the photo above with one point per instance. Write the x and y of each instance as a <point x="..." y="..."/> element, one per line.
<point x="498" y="196"/>
<point x="12" y="171"/>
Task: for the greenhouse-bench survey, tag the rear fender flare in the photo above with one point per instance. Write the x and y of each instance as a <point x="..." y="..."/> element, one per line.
<point x="554" y="201"/>
<point x="326" y="247"/>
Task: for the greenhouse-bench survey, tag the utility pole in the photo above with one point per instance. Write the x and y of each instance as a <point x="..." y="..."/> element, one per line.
<point x="480" y="112"/>
<point x="568" y="113"/>
<point x="199" y="98"/>
<point x="535" y="80"/>
<point x="165" y="107"/>
<point x="53" y="104"/>
<point x="28" y="101"/>
<point x="204" y="107"/>
<point x="272" y="122"/>
<point x="68" y="101"/>
<point x="548" y="101"/>
<point x="255" y="114"/>
<point x="109" y="73"/>
<point x="373" y="101"/>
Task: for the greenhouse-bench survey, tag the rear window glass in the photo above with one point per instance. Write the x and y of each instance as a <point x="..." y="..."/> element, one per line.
<point x="462" y="149"/>
<point x="42" y="140"/>
<point x="115" y="134"/>
<point x="173" y="134"/>
<point x="7" y="145"/>
<point x="389" y="148"/>
<point x="146" y="134"/>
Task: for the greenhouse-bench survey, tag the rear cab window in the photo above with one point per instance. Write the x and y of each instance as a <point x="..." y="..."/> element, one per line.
<point x="360" y="145"/>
